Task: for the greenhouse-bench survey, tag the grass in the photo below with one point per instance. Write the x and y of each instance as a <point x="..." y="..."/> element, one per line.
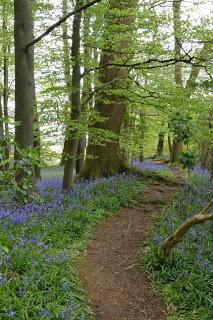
<point x="186" y="279"/>
<point x="39" y="243"/>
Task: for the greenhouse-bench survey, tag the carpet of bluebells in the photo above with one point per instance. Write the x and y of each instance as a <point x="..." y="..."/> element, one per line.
<point x="149" y="165"/>
<point x="39" y="242"/>
<point x="186" y="280"/>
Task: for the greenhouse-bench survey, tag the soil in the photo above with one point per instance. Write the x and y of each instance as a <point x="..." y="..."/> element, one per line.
<point x="115" y="286"/>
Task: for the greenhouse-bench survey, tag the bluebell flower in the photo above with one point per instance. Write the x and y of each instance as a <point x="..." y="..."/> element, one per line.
<point x="20" y="293"/>
<point x="204" y="263"/>
<point x="66" y="286"/>
<point x="11" y="314"/>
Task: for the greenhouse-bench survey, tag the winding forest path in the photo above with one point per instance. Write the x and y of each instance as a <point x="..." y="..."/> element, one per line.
<point x="116" y="288"/>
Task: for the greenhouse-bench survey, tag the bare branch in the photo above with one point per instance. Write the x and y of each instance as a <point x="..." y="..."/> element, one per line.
<point x="178" y="235"/>
<point x="57" y="24"/>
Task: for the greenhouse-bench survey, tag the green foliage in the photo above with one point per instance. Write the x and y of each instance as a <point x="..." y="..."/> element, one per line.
<point x="181" y="126"/>
<point x="188" y="160"/>
<point x="28" y="158"/>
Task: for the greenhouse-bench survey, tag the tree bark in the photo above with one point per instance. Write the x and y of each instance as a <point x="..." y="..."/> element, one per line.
<point x="72" y="139"/>
<point x="6" y="51"/>
<point x="24" y="79"/>
<point x="88" y="80"/>
<point x="178" y="235"/>
<point x="160" y="145"/>
<point x="107" y="160"/>
<point x="177" y="146"/>
<point x="178" y="41"/>
<point x="37" y="142"/>
<point x="170" y="146"/>
<point x="67" y="74"/>
<point x="2" y="151"/>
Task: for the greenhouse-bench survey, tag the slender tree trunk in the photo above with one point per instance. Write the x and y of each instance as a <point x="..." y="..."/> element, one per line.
<point x="177" y="146"/>
<point x="67" y="74"/>
<point x="108" y="159"/>
<point x="160" y="145"/>
<point x="5" y="95"/>
<point x="6" y="51"/>
<point x="72" y="140"/>
<point x="24" y="79"/>
<point x="2" y="138"/>
<point x="86" y="91"/>
<point x="37" y="143"/>
<point x="178" y="41"/>
<point x="195" y="69"/>
<point x="142" y="134"/>
<point x="170" y="146"/>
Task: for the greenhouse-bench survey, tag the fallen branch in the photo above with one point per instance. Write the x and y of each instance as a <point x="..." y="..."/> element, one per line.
<point x="178" y="235"/>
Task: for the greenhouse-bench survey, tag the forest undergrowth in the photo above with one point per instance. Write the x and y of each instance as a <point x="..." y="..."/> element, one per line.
<point x="186" y="279"/>
<point x="39" y="243"/>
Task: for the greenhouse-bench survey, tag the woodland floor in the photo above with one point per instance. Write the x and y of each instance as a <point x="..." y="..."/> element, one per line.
<point x="115" y="286"/>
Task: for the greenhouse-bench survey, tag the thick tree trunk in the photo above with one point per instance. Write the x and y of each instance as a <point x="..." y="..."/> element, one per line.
<point x="72" y="140"/>
<point x="24" y="79"/>
<point x="177" y="148"/>
<point x="107" y="160"/>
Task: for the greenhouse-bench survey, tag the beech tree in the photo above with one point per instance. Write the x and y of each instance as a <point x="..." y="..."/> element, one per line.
<point x="107" y="160"/>
<point x="24" y="79"/>
<point x="72" y="140"/>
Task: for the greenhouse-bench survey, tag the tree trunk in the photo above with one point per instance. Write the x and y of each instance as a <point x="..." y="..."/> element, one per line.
<point x="170" y="146"/>
<point x="107" y="160"/>
<point x="24" y="79"/>
<point x="160" y="145"/>
<point x="6" y="51"/>
<point x="67" y="74"/>
<point x="177" y="148"/>
<point x="86" y="91"/>
<point x="72" y="140"/>
<point x="178" y="42"/>
<point x="37" y="143"/>
<point x="2" y="151"/>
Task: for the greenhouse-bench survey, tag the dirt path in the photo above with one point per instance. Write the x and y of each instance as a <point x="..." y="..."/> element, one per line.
<point x="115" y="286"/>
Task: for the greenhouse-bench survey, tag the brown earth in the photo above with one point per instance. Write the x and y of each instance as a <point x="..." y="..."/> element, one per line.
<point x="116" y="288"/>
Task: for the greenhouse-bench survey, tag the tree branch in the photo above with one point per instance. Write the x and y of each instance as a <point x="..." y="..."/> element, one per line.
<point x="178" y="235"/>
<point x="57" y="24"/>
<point x="142" y="64"/>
